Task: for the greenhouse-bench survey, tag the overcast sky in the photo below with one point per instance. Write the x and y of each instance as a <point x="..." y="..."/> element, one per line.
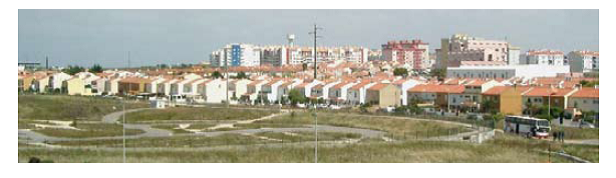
<point x="87" y="37"/>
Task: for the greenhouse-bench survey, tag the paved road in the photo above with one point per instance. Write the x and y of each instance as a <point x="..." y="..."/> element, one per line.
<point x="34" y="137"/>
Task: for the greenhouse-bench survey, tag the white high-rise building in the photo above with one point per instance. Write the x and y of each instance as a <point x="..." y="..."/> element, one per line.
<point x="546" y="57"/>
<point x="583" y="61"/>
<point x="236" y="54"/>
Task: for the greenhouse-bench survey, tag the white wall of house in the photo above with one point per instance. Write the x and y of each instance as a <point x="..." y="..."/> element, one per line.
<point x="362" y="92"/>
<point x="273" y="95"/>
<point x="308" y="88"/>
<point x="241" y="87"/>
<point x="405" y="87"/>
<point x="215" y="91"/>
<point x="327" y="87"/>
<point x="58" y="78"/>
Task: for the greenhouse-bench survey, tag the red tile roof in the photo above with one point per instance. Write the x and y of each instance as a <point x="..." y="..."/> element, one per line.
<point x="362" y="84"/>
<point x="586" y="92"/>
<point x="497" y="90"/>
<point x="379" y="86"/>
<point x="435" y="88"/>
<point x="545" y="91"/>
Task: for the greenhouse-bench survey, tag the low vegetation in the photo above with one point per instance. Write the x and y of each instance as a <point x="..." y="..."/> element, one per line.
<point x="502" y="149"/>
<point x="196" y="114"/>
<point x="399" y="128"/>
<point x="578" y="133"/>
<point x="57" y="107"/>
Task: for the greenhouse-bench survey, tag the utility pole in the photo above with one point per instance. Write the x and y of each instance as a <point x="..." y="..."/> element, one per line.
<point x="227" y="78"/>
<point x="316" y="131"/>
<point x="46" y="63"/>
<point x="314" y="33"/>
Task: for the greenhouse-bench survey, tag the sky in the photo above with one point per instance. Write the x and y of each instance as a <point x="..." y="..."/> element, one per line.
<point x="105" y="37"/>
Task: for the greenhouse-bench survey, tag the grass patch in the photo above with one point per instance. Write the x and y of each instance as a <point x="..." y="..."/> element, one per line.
<point x="587" y="152"/>
<point x="177" y="141"/>
<point x="572" y="133"/>
<point x="89" y="130"/>
<point x="502" y="149"/>
<point x="60" y="107"/>
<point x="400" y="128"/>
<point x="195" y="114"/>
<point x="308" y="136"/>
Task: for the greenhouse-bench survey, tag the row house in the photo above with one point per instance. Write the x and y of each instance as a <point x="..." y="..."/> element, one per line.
<point x="338" y="93"/>
<point x="134" y="86"/>
<point x="357" y="94"/>
<point x="269" y="90"/>
<point x="383" y="95"/>
<point x="81" y="84"/>
<point x="473" y="89"/>
<point x="507" y="99"/>
<point x="239" y="87"/>
<point x="253" y="90"/>
<point x="585" y="99"/>
<point x="404" y="84"/>
<point x="214" y="90"/>
<point x="442" y="96"/>
<point x="540" y="96"/>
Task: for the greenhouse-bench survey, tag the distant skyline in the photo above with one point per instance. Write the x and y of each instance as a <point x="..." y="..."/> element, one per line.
<point x="87" y="37"/>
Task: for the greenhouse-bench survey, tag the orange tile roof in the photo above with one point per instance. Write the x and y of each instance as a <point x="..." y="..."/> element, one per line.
<point x="362" y="84"/>
<point x="545" y="91"/>
<point x="255" y="83"/>
<point x="476" y="83"/>
<point x="497" y="90"/>
<point x="341" y="84"/>
<point x="586" y="92"/>
<point x="436" y="88"/>
<point x="379" y="86"/>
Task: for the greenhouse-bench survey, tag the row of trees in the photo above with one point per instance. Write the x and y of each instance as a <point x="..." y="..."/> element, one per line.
<point x="72" y="70"/>
<point x="240" y="75"/>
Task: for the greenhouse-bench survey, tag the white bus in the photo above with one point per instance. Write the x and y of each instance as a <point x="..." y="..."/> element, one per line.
<point x="531" y="127"/>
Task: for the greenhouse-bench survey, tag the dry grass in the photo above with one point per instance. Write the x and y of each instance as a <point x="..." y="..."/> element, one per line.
<point x="503" y="149"/>
<point x="196" y="114"/>
<point x="58" y="107"/>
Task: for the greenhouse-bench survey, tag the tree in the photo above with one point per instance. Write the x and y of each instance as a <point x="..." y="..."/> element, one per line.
<point x="440" y="74"/>
<point x="241" y="75"/>
<point x="296" y="97"/>
<point x="401" y="72"/>
<point x="585" y="83"/>
<point x="489" y="106"/>
<point x="216" y="74"/>
<point x="72" y="70"/>
<point x="96" y="68"/>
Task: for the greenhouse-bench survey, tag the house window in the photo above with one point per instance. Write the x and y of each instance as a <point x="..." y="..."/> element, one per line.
<point x="595" y="102"/>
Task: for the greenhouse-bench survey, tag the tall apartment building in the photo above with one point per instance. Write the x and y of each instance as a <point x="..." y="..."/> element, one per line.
<point x="513" y="55"/>
<point x="274" y="56"/>
<point x="414" y="52"/>
<point x="546" y="57"/>
<point x="583" y="61"/>
<point x="236" y="55"/>
<point x="461" y="47"/>
<point x="283" y="55"/>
